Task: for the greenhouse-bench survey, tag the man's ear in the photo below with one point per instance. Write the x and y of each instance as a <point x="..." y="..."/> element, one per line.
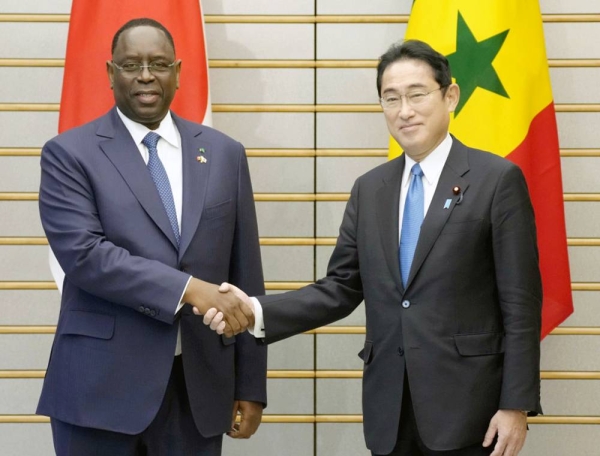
<point x="110" y="71"/>
<point x="178" y="71"/>
<point x="452" y="96"/>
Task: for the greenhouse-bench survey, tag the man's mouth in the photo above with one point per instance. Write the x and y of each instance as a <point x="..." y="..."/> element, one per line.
<point x="147" y="97"/>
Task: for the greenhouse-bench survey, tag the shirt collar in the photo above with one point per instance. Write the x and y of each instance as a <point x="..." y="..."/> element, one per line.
<point x="432" y="165"/>
<point x="166" y="129"/>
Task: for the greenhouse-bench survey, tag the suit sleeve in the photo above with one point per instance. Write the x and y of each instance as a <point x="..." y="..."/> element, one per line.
<point x="329" y="299"/>
<point x="91" y="262"/>
<point x="245" y="272"/>
<point x="519" y="289"/>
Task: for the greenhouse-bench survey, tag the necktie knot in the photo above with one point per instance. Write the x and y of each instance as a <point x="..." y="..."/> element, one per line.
<point x="151" y="140"/>
<point x="416" y="170"/>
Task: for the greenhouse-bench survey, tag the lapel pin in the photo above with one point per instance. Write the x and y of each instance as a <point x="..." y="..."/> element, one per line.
<point x="201" y="150"/>
<point x="201" y="159"/>
<point x="447" y="203"/>
<point x="457" y="191"/>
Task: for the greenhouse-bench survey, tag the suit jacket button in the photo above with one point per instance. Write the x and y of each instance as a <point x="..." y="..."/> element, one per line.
<point x="141" y="309"/>
<point x="406" y="304"/>
<point x="400" y="351"/>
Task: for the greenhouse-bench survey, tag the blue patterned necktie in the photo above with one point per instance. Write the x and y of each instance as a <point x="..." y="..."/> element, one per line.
<point x="411" y="221"/>
<point x="161" y="180"/>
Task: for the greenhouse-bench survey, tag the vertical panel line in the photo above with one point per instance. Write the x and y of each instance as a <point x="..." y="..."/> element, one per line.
<point x="315" y="222"/>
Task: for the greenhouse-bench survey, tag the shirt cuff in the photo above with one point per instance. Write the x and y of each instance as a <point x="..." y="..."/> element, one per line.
<point x="180" y="305"/>
<point x="259" y="323"/>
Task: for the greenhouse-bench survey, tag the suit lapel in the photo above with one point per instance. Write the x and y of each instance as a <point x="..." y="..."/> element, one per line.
<point x="387" y="206"/>
<point x="439" y="211"/>
<point x="195" y="178"/>
<point x="121" y="150"/>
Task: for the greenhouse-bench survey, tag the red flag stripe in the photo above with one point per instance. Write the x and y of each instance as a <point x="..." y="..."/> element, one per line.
<point x="538" y="158"/>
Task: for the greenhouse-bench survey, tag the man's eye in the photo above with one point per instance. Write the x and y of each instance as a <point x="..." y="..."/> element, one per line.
<point x="159" y="65"/>
<point x="131" y="66"/>
<point x="391" y="99"/>
<point x="416" y="96"/>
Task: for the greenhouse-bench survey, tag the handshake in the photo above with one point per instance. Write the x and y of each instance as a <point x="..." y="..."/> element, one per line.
<point x="226" y="308"/>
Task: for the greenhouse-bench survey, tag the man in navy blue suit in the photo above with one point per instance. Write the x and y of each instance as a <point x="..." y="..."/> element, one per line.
<point x="146" y="212"/>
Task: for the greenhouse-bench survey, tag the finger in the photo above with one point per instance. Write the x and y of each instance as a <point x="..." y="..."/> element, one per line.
<point x="489" y="435"/>
<point x="208" y="317"/>
<point x="245" y="430"/>
<point x="238" y="321"/>
<point x="499" y="448"/>
<point x="224" y="288"/>
<point x="236" y="328"/>
<point x="228" y="331"/>
<point x="221" y="327"/>
<point x="214" y="324"/>
<point x="234" y="431"/>
<point x="234" y="426"/>
<point x="196" y="311"/>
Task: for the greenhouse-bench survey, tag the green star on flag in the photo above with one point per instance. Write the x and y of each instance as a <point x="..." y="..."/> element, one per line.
<point x="471" y="64"/>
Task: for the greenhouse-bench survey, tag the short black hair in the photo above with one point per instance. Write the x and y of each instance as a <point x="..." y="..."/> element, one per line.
<point x="416" y="50"/>
<point x="139" y="22"/>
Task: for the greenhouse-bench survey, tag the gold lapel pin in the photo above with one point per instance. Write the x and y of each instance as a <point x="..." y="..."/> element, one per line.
<point x="201" y="159"/>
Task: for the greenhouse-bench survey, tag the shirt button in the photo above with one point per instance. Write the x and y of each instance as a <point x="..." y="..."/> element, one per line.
<point x="400" y="351"/>
<point x="406" y="304"/>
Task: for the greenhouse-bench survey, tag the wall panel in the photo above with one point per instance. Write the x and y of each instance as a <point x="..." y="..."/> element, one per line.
<point x="356" y="41"/>
<point x="20" y="218"/>
<point x="268" y="130"/>
<point x="260" y="41"/>
<point x="29" y="307"/>
<point x="27" y="129"/>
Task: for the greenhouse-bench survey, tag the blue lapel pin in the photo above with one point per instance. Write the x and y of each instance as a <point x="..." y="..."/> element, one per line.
<point x="447" y="203"/>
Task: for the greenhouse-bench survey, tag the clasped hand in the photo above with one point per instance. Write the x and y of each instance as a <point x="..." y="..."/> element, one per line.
<point x="226" y="308"/>
<point x="227" y="320"/>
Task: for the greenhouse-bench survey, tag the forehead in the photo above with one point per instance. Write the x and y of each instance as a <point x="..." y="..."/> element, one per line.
<point x="143" y="39"/>
<point x="407" y="73"/>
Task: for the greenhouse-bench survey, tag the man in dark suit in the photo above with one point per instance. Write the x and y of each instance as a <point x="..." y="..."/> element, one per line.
<point x="145" y="211"/>
<point x="441" y="245"/>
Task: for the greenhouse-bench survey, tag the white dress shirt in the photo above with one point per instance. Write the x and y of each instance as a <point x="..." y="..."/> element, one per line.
<point x="170" y="154"/>
<point x="431" y="166"/>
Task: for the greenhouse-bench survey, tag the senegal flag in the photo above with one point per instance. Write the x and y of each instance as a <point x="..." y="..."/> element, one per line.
<point x="497" y="57"/>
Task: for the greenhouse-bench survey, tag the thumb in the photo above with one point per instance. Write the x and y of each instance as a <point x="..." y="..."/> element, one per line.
<point x="490" y="434"/>
<point x="224" y="288"/>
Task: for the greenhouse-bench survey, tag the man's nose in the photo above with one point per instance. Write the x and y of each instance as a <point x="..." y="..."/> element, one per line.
<point x="145" y="73"/>
<point x="405" y="110"/>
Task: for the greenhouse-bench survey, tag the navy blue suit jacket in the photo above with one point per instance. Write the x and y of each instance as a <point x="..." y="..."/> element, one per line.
<point x="117" y="330"/>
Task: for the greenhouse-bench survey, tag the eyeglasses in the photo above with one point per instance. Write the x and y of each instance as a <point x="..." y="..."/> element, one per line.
<point x="135" y="68"/>
<point x="394" y="101"/>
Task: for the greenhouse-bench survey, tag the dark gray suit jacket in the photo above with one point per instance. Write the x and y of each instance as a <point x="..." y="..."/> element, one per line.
<point x="116" y="335"/>
<point x="467" y="326"/>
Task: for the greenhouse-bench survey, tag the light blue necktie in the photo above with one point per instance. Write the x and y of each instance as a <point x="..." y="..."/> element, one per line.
<point x="411" y="221"/>
<point x="161" y="180"/>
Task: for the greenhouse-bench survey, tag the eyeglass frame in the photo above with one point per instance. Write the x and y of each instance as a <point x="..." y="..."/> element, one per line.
<point x="406" y="96"/>
<point x="141" y="67"/>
